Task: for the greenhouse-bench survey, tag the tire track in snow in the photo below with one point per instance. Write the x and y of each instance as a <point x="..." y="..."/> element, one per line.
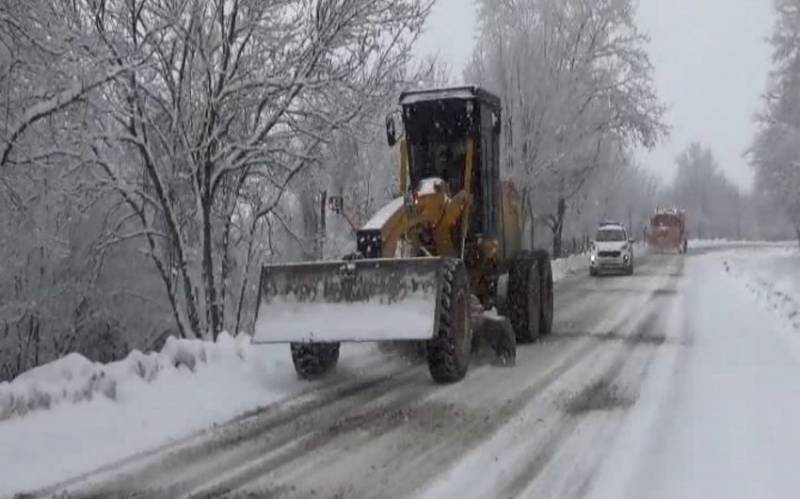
<point x="600" y="410"/>
<point x="605" y="393"/>
<point x="458" y="429"/>
<point x="188" y="458"/>
<point x="471" y="439"/>
<point x="531" y="441"/>
<point x="460" y="423"/>
<point x="272" y="450"/>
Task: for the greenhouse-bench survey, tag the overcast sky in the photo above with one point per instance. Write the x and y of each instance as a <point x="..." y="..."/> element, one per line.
<point x="711" y="62"/>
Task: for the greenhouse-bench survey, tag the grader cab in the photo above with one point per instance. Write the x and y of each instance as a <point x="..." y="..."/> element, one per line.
<point x="451" y="238"/>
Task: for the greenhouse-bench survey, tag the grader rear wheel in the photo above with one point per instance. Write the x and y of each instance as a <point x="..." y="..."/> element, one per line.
<point x="524" y="297"/>
<point x="546" y="283"/>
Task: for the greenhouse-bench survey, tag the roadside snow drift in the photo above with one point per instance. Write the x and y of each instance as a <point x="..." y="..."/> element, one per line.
<point x="74" y="378"/>
<point x="773" y="277"/>
<point x="72" y="416"/>
<point x="717" y="413"/>
<point x="563" y="267"/>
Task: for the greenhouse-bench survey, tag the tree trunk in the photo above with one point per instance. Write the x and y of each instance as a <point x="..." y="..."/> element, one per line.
<point x="212" y="307"/>
<point x="224" y="276"/>
<point x="245" y="274"/>
<point x="225" y="269"/>
<point x="531" y="225"/>
<point x="797" y="232"/>
<point x="323" y="232"/>
<point x="630" y="219"/>
<point x="558" y="227"/>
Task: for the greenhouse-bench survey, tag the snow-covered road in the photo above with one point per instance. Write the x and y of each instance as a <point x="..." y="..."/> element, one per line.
<point x="681" y="381"/>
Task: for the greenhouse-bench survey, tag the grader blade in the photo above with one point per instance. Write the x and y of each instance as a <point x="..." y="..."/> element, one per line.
<point x="349" y="301"/>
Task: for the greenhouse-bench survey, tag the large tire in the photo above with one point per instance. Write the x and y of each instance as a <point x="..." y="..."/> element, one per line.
<point x="449" y="351"/>
<point x="524" y="297"/>
<point x="546" y="294"/>
<point x="314" y="360"/>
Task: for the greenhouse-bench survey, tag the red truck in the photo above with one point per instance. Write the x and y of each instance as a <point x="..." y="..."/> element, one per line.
<point x="668" y="231"/>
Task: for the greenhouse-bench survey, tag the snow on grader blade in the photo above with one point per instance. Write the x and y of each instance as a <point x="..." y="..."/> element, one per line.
<point x="349" y="301"/>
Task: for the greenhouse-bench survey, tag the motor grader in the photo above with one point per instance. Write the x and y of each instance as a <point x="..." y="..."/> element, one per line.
<point x="452" y="238"/>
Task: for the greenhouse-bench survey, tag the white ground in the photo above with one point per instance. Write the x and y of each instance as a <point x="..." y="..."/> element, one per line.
<point x="70" y="438"/>
<point x="683" y="381"/>
<point x="718" y="420"/>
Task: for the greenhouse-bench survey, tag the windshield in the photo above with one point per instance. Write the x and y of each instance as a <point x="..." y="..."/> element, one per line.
<point x="665" y="220"/>
<point x="609" y="235"/>
<point x="437" y="133"/>
<point x="444" y="160"/>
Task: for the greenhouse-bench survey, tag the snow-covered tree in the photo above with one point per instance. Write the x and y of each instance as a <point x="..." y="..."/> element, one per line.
<point x="712" y="201"/>
<point x="775" y="152"/>
<point x="174" y="132"/>
<point x="576" y="84"/>
<point x="232" y="95"/>
<point x="61" y="288"/>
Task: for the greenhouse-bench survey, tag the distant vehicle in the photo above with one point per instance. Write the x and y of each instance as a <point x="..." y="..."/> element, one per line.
<point x="668" y="231"/>
<point x="612" y="250"/>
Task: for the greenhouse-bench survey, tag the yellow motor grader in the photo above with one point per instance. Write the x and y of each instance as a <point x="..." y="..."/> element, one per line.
<point x="450" y="239"/>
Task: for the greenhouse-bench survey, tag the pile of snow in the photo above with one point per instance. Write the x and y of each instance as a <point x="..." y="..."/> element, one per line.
<point x="720" y="243"/>
<point x="717" y="410"/>
<point x="772" y="277"/>
<point x="563" y="267"/>
<point x="72" y="416"/>
<point x="74" y="378"/>
<point x="713" y="243"/>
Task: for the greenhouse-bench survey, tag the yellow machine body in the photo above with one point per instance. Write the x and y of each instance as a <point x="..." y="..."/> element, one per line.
<point x="452" y="204"/>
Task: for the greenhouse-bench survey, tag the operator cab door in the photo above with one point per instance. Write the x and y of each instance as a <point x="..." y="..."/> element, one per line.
<point x="487" y="175"/>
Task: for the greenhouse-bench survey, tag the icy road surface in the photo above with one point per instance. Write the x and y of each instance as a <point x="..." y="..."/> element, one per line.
<point x="676" y="382"/>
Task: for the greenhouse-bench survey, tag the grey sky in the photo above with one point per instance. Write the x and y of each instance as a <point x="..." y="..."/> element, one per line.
<point x="711" y="63"/>
<point x="450" y="33"/>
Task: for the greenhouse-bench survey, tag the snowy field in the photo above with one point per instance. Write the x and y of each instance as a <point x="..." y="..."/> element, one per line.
<point x="676" y="382"/>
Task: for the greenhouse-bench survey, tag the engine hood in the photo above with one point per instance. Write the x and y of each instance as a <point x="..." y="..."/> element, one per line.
<point x="610" y="245"/>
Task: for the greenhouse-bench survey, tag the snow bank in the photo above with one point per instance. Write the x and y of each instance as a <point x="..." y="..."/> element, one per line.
<point x="72" y="416"/>
<point x="562" y="267"/>
<point x="713" y="243"/>
<point x="74" y="378"/>
<point x="717" y="411"/>
<point x="720" y="243"/>
<point x="772" y="277"/>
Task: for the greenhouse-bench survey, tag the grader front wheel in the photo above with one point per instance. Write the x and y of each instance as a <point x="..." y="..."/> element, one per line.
<point x="449" y="351"/>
